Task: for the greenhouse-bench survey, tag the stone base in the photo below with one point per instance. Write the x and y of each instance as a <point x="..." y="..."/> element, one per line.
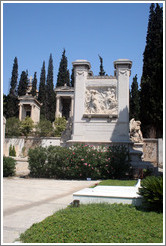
<point x="110" y="194"/>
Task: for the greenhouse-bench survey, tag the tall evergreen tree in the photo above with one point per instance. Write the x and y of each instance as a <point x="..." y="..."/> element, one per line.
<point x="134" y="100"/>
<point x="102" y="72"/>
<point x="34" y="85"/>
<point x="23" y="83"/>
<point x="11" y="100"/>
<point x="72" y="78"/>
<point x="42" y="91"/>
<point x="50" y="93"/>
<point x="13" y="82"/>
<point x="63" y="76"/>
<point x="151" y="94"/>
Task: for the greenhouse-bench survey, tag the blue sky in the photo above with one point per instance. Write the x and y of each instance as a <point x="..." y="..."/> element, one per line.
<point x="31" y="31"/>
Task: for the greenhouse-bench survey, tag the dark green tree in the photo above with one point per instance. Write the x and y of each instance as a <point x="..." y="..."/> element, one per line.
<point x="63" y="76"/>
<point x="13" y="82"/>
<point x="50" y="93"/>
<point x="23" y="83"/>
<point x="151" y="93"/>
<point x="42" y="91"/>
<point x="72" y="78"/>
<point x="102" y="72"/>
<point x="11" y="100"/>
<point x="34" y="85"/>
<point x="134" y="100"/>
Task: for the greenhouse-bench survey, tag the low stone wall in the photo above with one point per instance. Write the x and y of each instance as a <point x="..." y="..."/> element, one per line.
<point x="153" y="151"/>
<point x="22" y="144"/>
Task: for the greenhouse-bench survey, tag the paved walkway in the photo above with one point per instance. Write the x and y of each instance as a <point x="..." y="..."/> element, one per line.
<point x="28" y="201"/>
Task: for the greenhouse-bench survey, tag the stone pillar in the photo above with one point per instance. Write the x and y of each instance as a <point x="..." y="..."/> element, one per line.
<point x="20" y="112"/>
<point x="122" y="73"/>
<point x="57" y="113"/>
<point x="4" y="126"/>
<point x="32" y="112"/>
<point x="72" y="106"/>
<point x="81" y="69"/>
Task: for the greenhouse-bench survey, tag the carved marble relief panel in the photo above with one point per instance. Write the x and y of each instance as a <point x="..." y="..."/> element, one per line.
<point x="101" y="100"/>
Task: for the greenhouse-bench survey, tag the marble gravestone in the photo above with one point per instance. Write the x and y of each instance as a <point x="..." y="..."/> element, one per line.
<point x="101" y="105"/>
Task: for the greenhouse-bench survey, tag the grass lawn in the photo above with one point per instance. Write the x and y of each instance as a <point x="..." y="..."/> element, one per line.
<point x="97" y="223"/>
<point x="116" y="182"/>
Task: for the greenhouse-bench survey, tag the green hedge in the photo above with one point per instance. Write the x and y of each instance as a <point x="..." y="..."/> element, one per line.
<point x="8" y="166"/>
<point x="79" y="162"/>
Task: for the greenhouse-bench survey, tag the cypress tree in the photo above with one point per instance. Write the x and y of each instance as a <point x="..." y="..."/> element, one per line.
<point x="102" y="72"/>
<point x="11" y="106"/>
<point x="42" y="91"/>
<point x="72" y="78"/>
<point x="13" y="82"/>
<point x="23" y="83"/>
<point x="151" y="94"/>
<point x="63" y="76"/>
<point x="134" y="100"/>
<point x="50" y="94"/>
<point x="34" y="85"/>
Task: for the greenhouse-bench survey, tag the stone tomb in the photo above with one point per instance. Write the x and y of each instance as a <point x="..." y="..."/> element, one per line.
<point x="64" y="101"/>
<point x="101" y="105"/>
<point x="29" y="106"/>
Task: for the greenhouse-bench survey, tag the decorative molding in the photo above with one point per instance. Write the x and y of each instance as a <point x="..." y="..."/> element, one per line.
<point x="101" y="77"/>
<point x="110" y="116"/>
<point x="80" y="73"/>
<point x="123" y="72"/>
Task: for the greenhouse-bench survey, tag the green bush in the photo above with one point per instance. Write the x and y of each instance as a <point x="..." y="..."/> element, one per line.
<point x="44" y="128"/>
<point x="118" y="161"/>
<point x="26" y="126"/>
<point x="152" y="192"/>
<point x="8" y="166"/>
<point x="12" y="151"/>
<point x="79" y="162"/>
<point x="37" y="162"/>
<point x="12" y="127"/>
<point x="60" y="126"/>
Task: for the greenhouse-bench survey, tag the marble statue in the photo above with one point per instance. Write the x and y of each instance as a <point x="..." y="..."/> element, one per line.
<point x="135" y="131"/>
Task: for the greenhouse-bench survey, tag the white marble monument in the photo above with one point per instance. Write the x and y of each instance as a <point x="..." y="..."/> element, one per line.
<point x="101" y="104"/>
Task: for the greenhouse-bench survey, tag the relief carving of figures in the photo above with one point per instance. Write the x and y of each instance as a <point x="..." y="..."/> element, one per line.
<point x="135" y="131"/>
<point x="101" y="101"/>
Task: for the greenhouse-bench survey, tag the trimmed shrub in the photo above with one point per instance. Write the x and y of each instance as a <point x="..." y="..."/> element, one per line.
<point x="152" y="192"/>
<point x="8" y="166"/>
<point x="12" y="151"/>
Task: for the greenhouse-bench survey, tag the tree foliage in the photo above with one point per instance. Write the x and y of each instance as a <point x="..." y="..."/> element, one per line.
<point x="12" y="127"/>
<point x="50" y="93"/>
<point x="42" y="90"/>
<point x="60" y="126"/>
<point x="13" y="82"/>
<point x="11" y="101"/>
<point x="23" y="83"/>
<point x="44" y="128"/>
<point x="34" y="85"/>
<point x="63" y="73"/>
<point x="134" y="100"/>
<point x="102" y="72"/>
<point x="151" y="94"/>
<point x="26" y="126"/>
<point x="72" y="78"/>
